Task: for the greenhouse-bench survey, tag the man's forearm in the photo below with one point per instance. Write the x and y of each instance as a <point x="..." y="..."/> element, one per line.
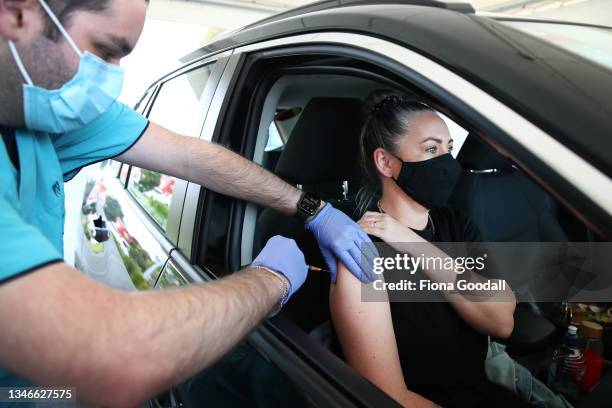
<point x="212" y="166"/>
<point x="204" y="322"/>
<point x="120" y="348"/>
<point x="226" y="172"/>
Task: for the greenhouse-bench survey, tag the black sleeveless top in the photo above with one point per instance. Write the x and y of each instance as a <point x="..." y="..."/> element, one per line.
<point x="442" y="357"/>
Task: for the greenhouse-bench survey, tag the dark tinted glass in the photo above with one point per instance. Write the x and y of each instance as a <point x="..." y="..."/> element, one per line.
<point x="242" y="378"/>
<point x="214" y="233"/>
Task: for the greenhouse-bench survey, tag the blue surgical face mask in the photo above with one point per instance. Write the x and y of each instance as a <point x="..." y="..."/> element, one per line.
<point x="94" y="88"/>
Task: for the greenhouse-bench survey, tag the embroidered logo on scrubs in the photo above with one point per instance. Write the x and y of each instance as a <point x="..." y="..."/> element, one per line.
<point x="57" y="189"/>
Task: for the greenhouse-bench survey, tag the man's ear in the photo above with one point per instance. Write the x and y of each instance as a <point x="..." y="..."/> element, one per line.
<point x="18" y="18"/>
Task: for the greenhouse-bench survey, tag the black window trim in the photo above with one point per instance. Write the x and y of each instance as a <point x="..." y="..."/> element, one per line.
<point x="195" y="197"/>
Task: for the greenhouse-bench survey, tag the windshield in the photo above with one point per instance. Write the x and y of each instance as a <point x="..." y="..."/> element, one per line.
<point x="592" y="43"/>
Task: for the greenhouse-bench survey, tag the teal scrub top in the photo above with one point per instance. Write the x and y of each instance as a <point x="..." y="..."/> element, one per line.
<point x="32" y="199"/>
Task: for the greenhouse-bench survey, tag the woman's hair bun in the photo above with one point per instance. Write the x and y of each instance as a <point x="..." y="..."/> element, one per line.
<point x="377" y="97"/>
<point x="398" y="102"/>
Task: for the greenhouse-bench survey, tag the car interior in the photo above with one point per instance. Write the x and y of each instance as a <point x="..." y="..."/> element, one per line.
<point x="309" y="135"/>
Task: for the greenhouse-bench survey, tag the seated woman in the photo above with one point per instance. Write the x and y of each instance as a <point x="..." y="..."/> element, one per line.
<point x="421" y="354"/>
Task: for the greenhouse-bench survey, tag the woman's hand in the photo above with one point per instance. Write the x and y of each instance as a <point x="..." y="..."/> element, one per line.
<point x="386" y="228"/>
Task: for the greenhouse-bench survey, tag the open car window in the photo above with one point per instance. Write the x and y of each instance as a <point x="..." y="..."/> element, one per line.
<point x="503" y="201"/>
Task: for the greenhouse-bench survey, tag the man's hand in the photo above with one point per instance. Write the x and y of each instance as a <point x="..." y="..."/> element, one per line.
<point x="339" y="237"/>
<point x="283" y="255"/>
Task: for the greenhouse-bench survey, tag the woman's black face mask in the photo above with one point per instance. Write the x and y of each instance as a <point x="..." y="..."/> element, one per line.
<point x="430" y="182"/>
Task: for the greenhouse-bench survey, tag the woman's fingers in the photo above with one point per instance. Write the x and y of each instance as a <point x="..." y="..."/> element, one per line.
<point x="372" y="218"/>
<point x="372" y="214"/>
<point x="372" y="227"/>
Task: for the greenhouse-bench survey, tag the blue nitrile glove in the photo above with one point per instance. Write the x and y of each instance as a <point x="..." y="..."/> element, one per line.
<point x="283" y="255"/>
<point x="340" y="237"/>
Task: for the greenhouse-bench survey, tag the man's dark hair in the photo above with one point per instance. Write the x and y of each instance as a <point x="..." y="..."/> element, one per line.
<point x="64" y="9"/>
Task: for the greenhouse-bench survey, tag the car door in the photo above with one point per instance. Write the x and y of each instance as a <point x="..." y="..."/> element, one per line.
<point x="218" y="231"/>
<point x="231" y="381"/>
<point x="130" y="216"/>
<point x="250" y="374"/>
<point x="262" y="370"/>
<point x="117" y="244"/>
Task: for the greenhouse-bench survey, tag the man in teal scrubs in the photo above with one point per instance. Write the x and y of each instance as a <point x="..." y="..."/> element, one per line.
<point x="59" y="80"/>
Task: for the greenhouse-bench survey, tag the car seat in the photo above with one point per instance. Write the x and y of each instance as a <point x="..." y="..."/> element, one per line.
<point x="322" y="157"/>
<point x="507" y="206"/>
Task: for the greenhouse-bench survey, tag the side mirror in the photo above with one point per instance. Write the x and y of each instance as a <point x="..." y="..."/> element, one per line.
<point x="100" y="230"/>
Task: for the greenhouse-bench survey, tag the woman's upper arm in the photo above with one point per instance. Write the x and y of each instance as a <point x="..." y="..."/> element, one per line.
<point x="365" y="331"/>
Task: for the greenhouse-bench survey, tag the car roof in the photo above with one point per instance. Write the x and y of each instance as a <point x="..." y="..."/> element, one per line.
<point x="566" y="95"/>
<point x="329" y="4"/>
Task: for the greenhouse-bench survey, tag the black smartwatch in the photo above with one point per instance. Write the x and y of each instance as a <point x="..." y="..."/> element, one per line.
<point x="307" y="206"/>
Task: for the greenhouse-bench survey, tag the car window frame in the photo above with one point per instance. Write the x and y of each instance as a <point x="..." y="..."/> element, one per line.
<point x="284" y="330"/>
<point x="596" y="216"/>
<point x="196" y="195"/>
<point x="180" y="188"/>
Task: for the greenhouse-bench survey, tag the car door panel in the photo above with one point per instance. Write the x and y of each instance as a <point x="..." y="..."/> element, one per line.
<point x="249" y="375"/>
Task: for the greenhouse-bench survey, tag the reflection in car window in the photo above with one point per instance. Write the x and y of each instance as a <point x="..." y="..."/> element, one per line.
<point x="115" y="165"/>
<point x="177" y="108"/>
<point x="114" y="247"/>
<point x="171" y="277"/>
<point x="592" y="43"/>
<point x="154" y="191"/>
<point x="123" y="173"/>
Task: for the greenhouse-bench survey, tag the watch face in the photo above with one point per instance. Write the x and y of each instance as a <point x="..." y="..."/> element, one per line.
<point x="309" y="204"/>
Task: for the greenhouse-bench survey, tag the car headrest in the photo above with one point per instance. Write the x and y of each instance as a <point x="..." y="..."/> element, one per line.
<point x="476" y="155"/>
<point x="324" y="144"/>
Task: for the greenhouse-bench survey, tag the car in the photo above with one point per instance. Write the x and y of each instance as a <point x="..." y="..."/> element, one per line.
<point x="528" y="102"/>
